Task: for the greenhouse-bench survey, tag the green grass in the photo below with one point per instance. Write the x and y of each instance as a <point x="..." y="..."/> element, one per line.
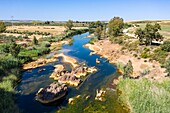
<point x="165" y="28"/>
<point x="144" y="96"/>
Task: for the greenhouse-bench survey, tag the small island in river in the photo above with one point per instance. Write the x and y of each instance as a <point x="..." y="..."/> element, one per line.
<point x="73" y="77"/>
<point x="51" y="93"/>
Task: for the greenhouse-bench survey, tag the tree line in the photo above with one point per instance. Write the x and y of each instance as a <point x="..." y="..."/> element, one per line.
<point x="149" y="33"/>
<point x="113" y="29"/>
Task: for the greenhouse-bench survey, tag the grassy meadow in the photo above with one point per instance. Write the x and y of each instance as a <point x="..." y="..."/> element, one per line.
<point x="145" y="96"/>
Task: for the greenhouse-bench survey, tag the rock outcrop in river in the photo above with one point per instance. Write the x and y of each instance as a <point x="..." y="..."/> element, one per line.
<point x="83" y="71"/>
<point x="51" y="93"/>
<point x="58" y="72"/>
<point x="73" y="77"/>
<point x="79" y="71"/>
<point x="100" y="95"/>
<point x="70" y="79"/>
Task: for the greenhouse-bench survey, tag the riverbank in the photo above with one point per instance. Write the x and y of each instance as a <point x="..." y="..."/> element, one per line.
<point x="55" y="46"/>
<point x="115" y="54"/>
<point x="11" y="71"/>
<point x="135" y="94"/>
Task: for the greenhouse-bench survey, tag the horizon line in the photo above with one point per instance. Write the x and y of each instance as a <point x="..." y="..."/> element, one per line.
<point x="83" y="20"/>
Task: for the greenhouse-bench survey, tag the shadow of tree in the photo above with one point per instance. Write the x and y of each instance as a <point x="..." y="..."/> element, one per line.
<point x="7" y="102"/>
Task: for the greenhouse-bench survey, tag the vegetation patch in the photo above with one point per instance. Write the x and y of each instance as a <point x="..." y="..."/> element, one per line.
<point x="144" y="96"/>
<point x="93" y="40"/>
<point x="110" y="105"/>
<point x="13" y="56"/>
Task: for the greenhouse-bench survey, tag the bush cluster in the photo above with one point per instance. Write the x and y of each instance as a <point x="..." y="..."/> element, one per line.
<point x="27" y="32"/>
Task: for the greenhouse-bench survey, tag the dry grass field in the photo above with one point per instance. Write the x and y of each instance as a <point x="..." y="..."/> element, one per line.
<point x="54" y="30"/>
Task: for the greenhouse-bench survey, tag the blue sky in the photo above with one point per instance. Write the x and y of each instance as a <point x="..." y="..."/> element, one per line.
<point x="82" y="10"/>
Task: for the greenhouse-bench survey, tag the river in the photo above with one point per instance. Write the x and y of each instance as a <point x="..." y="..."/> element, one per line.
<point x="32" y="81"/>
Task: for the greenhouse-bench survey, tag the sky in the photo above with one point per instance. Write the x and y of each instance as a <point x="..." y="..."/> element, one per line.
<point x="84" y="10"/>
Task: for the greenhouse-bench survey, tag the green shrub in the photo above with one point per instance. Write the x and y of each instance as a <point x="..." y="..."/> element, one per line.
<point x="145" y="60"/>
<point x="45" y="44"/>
<point x="146" y="49"/>
<point x="133" y="46"/>
<point x="159" y="55"/>
<point x="145" y="55"/>
<point x="24" y="59"/>
<point x="128" y="69"/>
<point x="167" y="66"/>
<point x="119" y="41"/>
<point x="5" y="48"/>
<point x="14" y="49"/>
<point x="166" y="46"/>
<point x="120" y="66"/>
<point x="93" y="40"/>
<point x="9" y="62"/>
<point x="135" y="55"/>
<point x="35" y="41"/>
<point x="145" y="72"/>
<point x="91" y="30"/>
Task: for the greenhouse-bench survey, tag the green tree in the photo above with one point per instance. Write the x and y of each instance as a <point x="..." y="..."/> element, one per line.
<point x="98" y="32"/>
<point x="35" y="41"/>
<point x="115" y="26"/>
<point x="98" y="24"/>
<point x="150" y="33"/>
<point x="128" y="69"/>
<point x="92" y="25"/>
<point x="140" y="34"/>
<point x="14" y="49"/>
<point x="95" y="24"/>
<point x="2" y="27"/>
<point x="104" y="35"/>
<point x="69" y="24"/>
<point x="47" y="22"/>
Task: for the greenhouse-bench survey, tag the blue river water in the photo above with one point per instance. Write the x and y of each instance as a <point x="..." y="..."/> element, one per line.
<point x="33" y="80"/>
